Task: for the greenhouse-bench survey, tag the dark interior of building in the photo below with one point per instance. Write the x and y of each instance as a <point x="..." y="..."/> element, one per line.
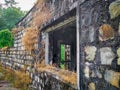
<point x="62" y="47"/>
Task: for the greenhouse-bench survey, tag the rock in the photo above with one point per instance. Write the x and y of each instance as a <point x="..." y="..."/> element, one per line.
<point x="99" y="75"/>
<point x="88" y="64"/>
<point x="112" y="77"/>
<point x="114" y="9"/>
<point x="106" y="56"/>
<point x="119" y="29"/>
<point x="93" y="74"/>
<point x="96" y="73"/>
<point x="91" y="86"/>
<point x="118" y="61"/>
<point x="118" y="52"/>
<point x="91" y="34"/>
<point x="90" y="52"/>
<point x="86" y="72"/>
<point x="106" y="32"/>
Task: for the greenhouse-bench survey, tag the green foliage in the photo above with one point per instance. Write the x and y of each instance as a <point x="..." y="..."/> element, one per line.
<point x="6" y="38"/>
<point x="9" y="17"/>
<point x="2" y="22"/>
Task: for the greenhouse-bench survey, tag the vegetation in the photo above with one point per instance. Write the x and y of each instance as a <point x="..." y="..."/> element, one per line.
<point x="9" y="17"/>
<point x="39" y="18"/>
<point x="65" y="75"/>
<point x="10" y="3"/>
<point x="19" y="79"/>
<point x="6" y="38"/>
<point x="22" y="80"/>
<point x="30" y="38"/>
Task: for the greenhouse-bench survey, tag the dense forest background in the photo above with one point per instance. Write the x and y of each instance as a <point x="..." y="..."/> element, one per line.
<point x="9" y="16"/>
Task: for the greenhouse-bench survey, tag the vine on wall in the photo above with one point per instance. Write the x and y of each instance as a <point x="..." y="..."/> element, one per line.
<point x="29" y="38"/>
<point x="40" y="16"/>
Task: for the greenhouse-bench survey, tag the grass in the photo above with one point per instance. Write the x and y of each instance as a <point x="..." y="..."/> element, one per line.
<point x="19" y="79"/>
<point x="66" y="76"/>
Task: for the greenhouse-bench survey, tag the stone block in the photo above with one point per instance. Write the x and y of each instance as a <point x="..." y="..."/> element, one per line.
<point x="91" y="34"/>
<point x="106" y="56"/>
<point x="118" y="61"/>
<point x="93" y="74"/>
<point x="106" y="32"/>
<point x="90" y="53"/>
<point x="114" y="9"/>
<point x="87" y="71"/>
<point x="113" y="78"/>
<point x="118" y="52"/>
<point x="98" y="74"/>
<point x="91" y="86"/>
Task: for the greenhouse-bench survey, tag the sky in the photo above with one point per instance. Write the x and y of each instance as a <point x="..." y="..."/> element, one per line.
<point x="25" y="5"/>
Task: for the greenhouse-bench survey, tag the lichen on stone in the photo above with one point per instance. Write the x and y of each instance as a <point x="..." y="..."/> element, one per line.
<point x="112" y="77"/>
<point x="91" y="86"/>
<point x="114" y="9"/>
<point x="90" y="52"/>
<point x="106" y="32"/>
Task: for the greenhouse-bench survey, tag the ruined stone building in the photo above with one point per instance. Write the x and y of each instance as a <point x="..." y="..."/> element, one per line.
<point x="81" y="36"/>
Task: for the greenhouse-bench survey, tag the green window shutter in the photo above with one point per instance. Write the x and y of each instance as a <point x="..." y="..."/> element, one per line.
<point x="62" y="64"/>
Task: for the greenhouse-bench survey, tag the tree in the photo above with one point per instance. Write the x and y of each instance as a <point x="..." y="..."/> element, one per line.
<point x="9" y="16"/>
<point x="10" y="3"/>
<point x="6" y="38"/>
<point x="0" y="5"/>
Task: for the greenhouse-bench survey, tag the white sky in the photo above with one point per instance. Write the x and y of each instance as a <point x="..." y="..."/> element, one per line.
<point x="25" y="5"/>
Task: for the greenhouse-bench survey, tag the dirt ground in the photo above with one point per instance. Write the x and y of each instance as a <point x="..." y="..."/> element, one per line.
<point x="4" y="85"/>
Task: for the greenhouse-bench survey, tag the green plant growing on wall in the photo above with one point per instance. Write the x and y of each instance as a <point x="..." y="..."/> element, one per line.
<point x="6" y="38"/>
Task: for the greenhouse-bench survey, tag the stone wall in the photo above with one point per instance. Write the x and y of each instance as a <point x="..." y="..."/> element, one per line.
<point x="48" y="81"/>
<point x="99" y="47"/>
<point x="59" y="8"/>
<point x="16" y="59"/>
<point x="40" y="80"/>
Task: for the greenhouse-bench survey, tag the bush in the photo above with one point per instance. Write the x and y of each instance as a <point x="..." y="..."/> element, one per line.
<point x="29" y="39"/>
<point x="6" y="38"/>
<point x="19" y="79"/>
